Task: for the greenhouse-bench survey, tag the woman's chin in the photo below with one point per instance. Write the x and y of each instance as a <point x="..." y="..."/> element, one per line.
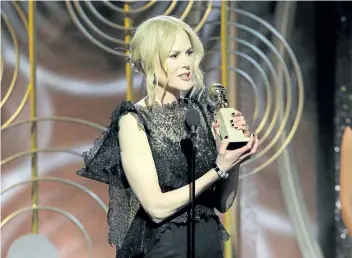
<point x="185" y="86"/>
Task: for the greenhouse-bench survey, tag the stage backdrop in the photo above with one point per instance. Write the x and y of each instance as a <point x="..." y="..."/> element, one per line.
<point x="263" y="52"/>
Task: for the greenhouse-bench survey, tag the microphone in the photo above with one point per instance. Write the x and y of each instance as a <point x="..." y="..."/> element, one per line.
<point x="192" y="120"/>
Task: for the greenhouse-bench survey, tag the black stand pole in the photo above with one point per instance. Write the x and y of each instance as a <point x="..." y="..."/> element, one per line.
<point x="192" y="121"/>
<point x="191" y="222"/>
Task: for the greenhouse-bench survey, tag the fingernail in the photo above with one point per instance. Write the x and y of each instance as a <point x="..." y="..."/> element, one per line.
<point x="233" y="114"/>
<point x="231" y="121"/>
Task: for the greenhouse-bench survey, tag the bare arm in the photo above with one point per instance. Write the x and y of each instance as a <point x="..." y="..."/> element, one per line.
<point x="226" y="190"/>
<point x="346" y="178"/>
<point x="139" y="167"/>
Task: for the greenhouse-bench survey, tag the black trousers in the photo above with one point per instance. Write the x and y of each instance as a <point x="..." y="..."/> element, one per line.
<point x="173" y="242"/>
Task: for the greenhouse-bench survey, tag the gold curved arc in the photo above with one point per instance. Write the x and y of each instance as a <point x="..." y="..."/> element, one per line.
<point x="88" y="35"/>
<point x="274" y="76"/>
<point x="15" y="73"/>
<point x="278" y="97"/>
<point x="57" y="118"/>
<point x="171" y="7"/>
<point x="117" y="26"/>
<point x="287" y="80"/>
<point x="103" y="19"/>
<point x="267" y="88"/>
<point x="53" y="209"/>
<point x="101" y="33"/>
<point x="24" y="153"/>
<point x="1" y="63"/>
<point x="130" y="11"/>
<point x="20" y="14"/>
<point x="187" y="10"/>
<point x="205" y="16"/>
<point x="63" y="181"/>
<point x="255" y="90"/>
<point x="300" y="92"/>
<point x="19" y="109"/>
<point x="91" y="25"/>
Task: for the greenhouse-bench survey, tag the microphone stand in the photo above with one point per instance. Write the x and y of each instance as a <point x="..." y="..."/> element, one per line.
<point x="192" y="173"/>
<point x="192" y="121"/>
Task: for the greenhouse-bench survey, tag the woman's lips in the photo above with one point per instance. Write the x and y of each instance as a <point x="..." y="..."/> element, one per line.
<point x="186" y="77"/>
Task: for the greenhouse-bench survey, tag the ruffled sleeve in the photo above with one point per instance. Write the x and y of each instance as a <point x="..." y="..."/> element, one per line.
<point x="102" y="163"/>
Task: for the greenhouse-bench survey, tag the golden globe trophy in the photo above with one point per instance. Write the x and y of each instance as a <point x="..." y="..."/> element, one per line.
<point x="224" y="114"/>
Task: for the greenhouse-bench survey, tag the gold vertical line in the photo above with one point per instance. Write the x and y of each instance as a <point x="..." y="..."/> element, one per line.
<point x="128" y="25"/>
<point x="223" y="40"/>
<point x="232" y="61"/>
<point x="224" y="81"/>
<point x="233" y="102"/>
<point x="33" y="111"/>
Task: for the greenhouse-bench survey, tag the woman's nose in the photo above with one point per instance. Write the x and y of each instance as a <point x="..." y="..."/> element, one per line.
<point x="186" y="62"/>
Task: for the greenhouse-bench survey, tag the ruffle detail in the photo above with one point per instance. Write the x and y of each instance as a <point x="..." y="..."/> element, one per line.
<point x="102" y="163"/>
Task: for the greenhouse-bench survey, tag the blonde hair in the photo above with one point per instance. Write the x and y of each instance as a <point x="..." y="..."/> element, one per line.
<point x="156" y="37"/>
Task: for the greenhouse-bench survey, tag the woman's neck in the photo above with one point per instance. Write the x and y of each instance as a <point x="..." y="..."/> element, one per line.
<point x="163" y="96"/>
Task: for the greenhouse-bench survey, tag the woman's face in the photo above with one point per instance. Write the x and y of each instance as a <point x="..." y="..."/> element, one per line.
<point x="179" y="65"/>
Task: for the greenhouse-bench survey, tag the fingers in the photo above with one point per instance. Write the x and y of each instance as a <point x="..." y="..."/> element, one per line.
<point x="223" y="146"/>
<point x="255" y="145"/>
<point x="252" y="151"/>
<point x="236" y="113"/>
<point x="246" y="132"/>
<point x="248" y="146"/>
<point x="239" y="123"/>
<point x="216" y="124"/>
<point x="216" y="128"/>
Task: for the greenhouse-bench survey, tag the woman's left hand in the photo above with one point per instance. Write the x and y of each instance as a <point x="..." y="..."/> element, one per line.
<point x="240" y="123"/>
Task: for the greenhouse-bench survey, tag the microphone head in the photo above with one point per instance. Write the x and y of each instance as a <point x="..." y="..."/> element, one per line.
<point x="192" y="117"/>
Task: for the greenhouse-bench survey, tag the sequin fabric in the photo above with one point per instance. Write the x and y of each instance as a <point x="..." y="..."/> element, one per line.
<point x="131" y="230"/>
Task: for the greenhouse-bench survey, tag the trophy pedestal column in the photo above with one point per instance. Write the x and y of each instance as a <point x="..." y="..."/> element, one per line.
<point x="235" y="136"/>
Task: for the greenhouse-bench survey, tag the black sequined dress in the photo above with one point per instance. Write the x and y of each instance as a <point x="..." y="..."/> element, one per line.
<point x="131" y="230"/>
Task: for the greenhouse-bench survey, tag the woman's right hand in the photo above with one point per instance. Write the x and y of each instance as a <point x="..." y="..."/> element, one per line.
<point x="228" y="158"/>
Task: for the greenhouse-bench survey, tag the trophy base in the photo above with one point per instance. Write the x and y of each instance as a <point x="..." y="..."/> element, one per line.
<point x="236" y="145"/>
<point x="235" y="136"/>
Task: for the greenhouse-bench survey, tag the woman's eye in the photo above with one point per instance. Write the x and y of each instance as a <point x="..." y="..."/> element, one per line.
<point x="173" y="56"/>
<point x="190" y="52"/>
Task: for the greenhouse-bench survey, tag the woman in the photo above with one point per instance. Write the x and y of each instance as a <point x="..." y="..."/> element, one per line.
<point x="141" y="158"/>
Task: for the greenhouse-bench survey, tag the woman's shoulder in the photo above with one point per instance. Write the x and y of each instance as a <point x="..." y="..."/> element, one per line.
<point x="126" y="107"/>
<point x="128" y="114"/>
